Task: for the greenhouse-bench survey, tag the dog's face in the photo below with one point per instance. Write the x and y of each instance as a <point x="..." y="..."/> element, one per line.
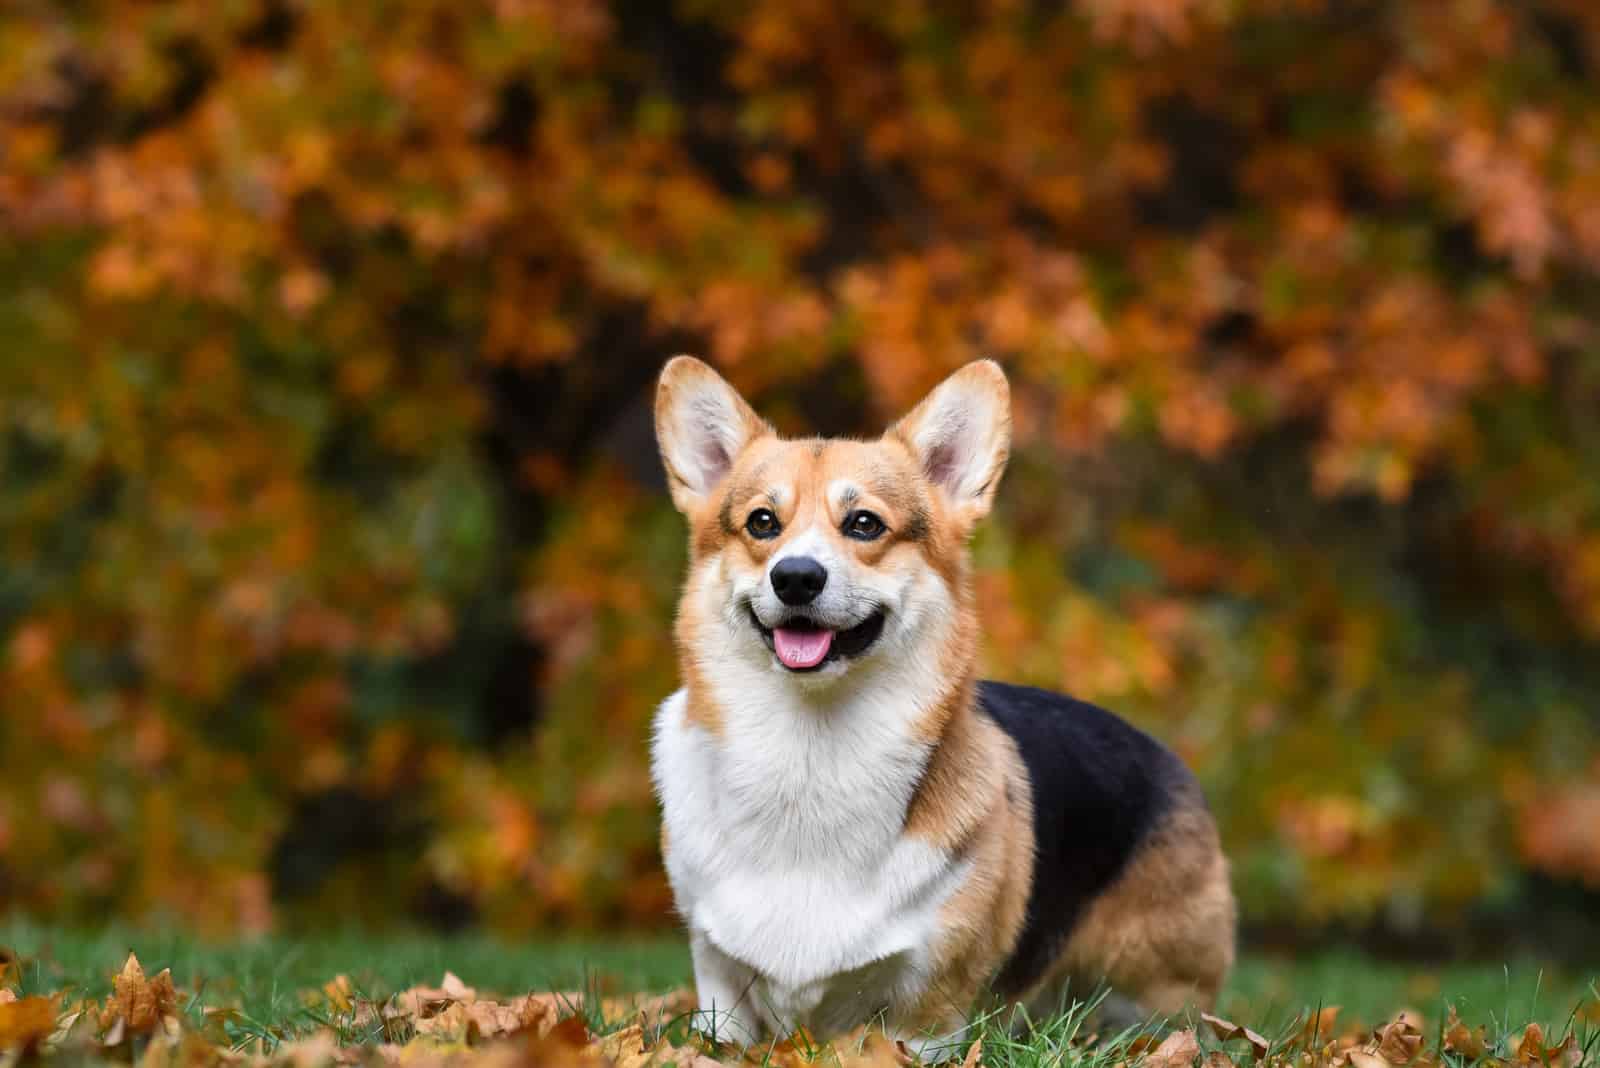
<point x="811" y="557"/>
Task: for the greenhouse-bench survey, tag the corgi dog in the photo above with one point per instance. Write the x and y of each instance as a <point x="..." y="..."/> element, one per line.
<point x="856" y="829"/>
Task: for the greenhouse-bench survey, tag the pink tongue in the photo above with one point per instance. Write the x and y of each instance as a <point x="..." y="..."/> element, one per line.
<point x="801" y="648"/>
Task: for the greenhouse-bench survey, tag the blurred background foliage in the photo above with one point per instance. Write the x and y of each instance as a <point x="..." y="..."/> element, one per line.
<point x="336" y="567"/>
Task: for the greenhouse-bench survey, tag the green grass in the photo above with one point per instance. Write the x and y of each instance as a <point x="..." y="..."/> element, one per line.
<point x="264" y="978"/>
<point x="1267" y="992"/>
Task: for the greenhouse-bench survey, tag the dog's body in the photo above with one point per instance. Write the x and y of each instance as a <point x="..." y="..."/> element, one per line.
<point x="854" y="827"/>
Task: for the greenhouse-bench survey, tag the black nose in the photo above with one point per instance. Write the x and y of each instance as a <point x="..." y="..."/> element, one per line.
<point x="798" y="579"/>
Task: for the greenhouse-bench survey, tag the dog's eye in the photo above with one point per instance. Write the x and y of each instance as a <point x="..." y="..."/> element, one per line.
<point x="763" y="524"/>
<point x="863" y="525"/>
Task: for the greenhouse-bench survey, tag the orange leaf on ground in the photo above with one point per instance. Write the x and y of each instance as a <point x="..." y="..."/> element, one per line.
<point x="1459" y="1039"/>
<point x="25" y="1022"/>
<point x="570" y="1032"/>
<point x="1531" y="1051"/>
<point x="1399" y="1041"/>
<point x="140" y="1004"/>
<point x="1360" y="1058"/>
<point x="1319" y="1027"/>
<point x="1178" y="1050"/>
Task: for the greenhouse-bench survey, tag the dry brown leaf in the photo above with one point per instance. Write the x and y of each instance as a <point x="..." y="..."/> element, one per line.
<point x="1361" y="1058"/>
<point x="1529" y="1049"/>
<point x="869" y="1048"/>
<point x="444" y="1022"/>
<point x="539" y="1012"/>
<point x="1532" y="1052"/>
<point x="1178" y="1050"/>
<point x="692" y="1058"/>
<point x="654" y="1007"/>
<point x="1217" y="1059"/>
<point x="1227" y="1030"/>
<point x="418" y="1003"/>
<point x="339" y="993"/>
<point x="140" y="1004"/>
<point x="974" y="1055"/>
<point x="313" y="1051"/>
<point x="453" y="987"/>
<point x="1564" y="1054"/>
<point x="1399" y="1041"/>
<point x="619" y="1043"/>
<point x="566" y="1045"/>
<point x="26" y="1022"/>
<point x="628" y="1048"/>
<point x="571" y="1032"/>
<point x="1320" y="1027"/>
<point x="1471" y="1044"/>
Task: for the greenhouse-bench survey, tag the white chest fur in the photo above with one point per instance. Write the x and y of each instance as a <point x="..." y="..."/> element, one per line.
<point x="803" y="898"/>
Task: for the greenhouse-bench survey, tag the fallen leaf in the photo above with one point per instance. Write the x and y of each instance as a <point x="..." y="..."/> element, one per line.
<point x="313" y="1051"/>
<point x="570" y="1032"/>
<point x="1532" y="1052"/>
<point x="453" y="987"/>
<point x="1320" y="1026"/>
<point x="339" y="993"/>
<point x="1566" y="1053"/>
<point x="446" y="1022"/>
<point x="142" y="1004"/>
<point x="1361" y="1058"/>
<point x="1471" y="1044"/>
<point x="1399" y="1041"/>
<point x="1178" y="1050"/>
<point x="974" y="1055"/>
<point x="26" y="1022"/>
<point x="1227" y="1030"/>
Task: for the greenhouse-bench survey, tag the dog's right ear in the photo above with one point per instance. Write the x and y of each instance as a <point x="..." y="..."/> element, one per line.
<point x="701" y="425"/>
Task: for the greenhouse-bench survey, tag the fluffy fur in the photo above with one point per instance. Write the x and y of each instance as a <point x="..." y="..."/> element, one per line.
<point x="878" y="836"/>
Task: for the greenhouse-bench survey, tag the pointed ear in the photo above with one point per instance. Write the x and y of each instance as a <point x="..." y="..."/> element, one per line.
<point x="701" y="425"/>
<point x="961" y="434"/>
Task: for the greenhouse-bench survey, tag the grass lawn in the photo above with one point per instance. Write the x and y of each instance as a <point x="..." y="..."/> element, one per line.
<point x="264" y="980"/>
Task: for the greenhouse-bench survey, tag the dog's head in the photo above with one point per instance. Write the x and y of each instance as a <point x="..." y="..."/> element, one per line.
<point x="810" y="558"/>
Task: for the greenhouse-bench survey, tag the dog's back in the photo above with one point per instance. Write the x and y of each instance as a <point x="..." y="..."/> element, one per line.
<point x="1117" y="818"/>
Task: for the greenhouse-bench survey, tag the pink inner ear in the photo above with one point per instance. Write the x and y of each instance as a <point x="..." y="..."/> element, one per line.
<point x="714" y="461"/>
<point x="941" y="464"/>
<point x="945" y="454"/>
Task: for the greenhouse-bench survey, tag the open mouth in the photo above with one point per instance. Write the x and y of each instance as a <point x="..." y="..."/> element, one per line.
<point x="802" y="644"/>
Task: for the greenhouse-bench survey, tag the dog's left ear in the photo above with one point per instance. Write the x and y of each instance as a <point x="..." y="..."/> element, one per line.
<point x="702" y="424"/>
<point x="961" y="434"/>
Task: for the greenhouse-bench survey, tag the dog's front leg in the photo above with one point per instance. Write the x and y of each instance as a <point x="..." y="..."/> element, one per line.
<point x="725" y="991"/>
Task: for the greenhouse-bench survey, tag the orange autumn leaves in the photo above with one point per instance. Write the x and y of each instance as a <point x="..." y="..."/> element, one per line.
<point x="139" y="1006"/>
<point x="148" y="1021"/>
<point x="328" y="329"/>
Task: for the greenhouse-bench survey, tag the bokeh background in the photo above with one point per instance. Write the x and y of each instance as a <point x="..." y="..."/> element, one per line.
<point x="335" y="561"/>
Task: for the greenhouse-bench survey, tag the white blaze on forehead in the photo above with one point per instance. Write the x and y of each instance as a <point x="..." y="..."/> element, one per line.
<point x="841" y="490"/>
<point x="812" y="542"/>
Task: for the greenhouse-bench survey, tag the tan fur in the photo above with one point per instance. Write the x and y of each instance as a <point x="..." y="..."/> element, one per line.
<point x="1163" y="933"/>
<point x="976" y="801"/>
